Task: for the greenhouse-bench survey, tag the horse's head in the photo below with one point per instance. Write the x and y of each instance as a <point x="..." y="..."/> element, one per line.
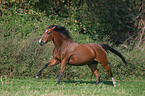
<point x="47" y="36"/>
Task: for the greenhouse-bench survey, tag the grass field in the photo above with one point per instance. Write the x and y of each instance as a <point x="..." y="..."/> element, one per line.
<point x="48" y="87"/>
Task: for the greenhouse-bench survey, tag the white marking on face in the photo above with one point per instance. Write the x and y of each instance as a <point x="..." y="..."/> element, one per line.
<point x="40" y="40"/>
<point x="46" y="31"/>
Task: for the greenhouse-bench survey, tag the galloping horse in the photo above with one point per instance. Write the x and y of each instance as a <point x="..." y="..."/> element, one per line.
<point x="68" y="52"/>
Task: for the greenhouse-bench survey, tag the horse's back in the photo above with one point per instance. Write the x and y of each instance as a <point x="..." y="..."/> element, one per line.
<point x="86" y="53"/>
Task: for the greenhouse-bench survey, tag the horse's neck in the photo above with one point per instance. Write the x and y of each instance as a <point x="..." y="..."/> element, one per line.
<point x="61" y="40"/>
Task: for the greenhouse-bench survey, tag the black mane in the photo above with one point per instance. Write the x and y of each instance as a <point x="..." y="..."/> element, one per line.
<point x="61" y="29"/>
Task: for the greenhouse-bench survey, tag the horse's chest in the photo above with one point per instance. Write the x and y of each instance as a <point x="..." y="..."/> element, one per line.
<point x="60" y="54"/>
<point x="56" y="54"/>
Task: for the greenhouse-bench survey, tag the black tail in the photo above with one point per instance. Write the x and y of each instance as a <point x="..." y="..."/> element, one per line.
<point x="107" y="47"/>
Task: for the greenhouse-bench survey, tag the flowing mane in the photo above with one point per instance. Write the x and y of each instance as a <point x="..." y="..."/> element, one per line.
<point x="61" y="29"/>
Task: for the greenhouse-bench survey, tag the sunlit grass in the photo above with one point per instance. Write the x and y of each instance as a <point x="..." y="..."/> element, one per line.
<point x="48" y="87"/>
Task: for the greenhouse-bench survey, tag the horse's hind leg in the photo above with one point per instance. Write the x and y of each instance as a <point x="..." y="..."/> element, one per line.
<point x="93" y="67"/>
<point x="106" y="66"/>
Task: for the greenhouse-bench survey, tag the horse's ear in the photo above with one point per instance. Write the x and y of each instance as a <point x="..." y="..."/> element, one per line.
<point x="57" y="27"/>
<point x="53" y="28"/>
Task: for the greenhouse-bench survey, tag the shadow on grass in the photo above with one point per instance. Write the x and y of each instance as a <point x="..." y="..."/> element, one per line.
<point x="89" y="82"/>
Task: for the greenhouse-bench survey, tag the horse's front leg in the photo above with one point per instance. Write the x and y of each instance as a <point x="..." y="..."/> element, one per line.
<point x="51" y="63"/>
<point x="63" y="65"/>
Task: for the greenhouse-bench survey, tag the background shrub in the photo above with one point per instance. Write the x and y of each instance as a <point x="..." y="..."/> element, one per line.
<point x="117" y="23"/>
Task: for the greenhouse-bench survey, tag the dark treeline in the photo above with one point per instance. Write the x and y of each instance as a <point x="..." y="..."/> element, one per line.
<point x="117" y="18"/>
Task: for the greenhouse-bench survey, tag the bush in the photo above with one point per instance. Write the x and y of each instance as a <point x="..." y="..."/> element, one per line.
<point x="22" y="26"/>
<point x="21" y="55"/>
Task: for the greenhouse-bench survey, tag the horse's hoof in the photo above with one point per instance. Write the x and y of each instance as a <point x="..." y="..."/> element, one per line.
<point x="97" y="83"/>
<point x="37" y="77"/>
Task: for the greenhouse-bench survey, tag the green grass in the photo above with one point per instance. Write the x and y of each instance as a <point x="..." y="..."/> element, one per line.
<point x="48" y="87"/>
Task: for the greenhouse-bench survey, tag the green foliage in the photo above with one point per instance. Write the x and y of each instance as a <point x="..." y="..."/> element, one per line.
<point x="21" y="55"/>
<point x="97" y="18"/>
<point x="20" y="49"/>
<point x="21" y="27"/>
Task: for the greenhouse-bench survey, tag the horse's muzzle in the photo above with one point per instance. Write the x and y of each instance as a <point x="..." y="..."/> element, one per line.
<point x="41" y="43"/>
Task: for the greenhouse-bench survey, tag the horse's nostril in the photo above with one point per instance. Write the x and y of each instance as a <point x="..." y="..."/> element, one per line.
<point x="41" y="43"/>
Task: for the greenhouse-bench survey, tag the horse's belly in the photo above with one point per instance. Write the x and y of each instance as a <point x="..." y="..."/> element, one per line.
<point x="80" y="58"/>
